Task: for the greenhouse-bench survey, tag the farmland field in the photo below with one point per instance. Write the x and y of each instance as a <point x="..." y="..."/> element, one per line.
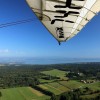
<point x="59" y="86"/>
<point x="94" y="86"/>
<point x="64" y="86"/>
<point x="22" y="93"/>
<point x="49" y="83"/>
<point x="72" y="84"/>
<point x="90" y="96"/>
<point x="45" y="81"/>
<point x="55" y="72"/>
<point x="50" y="88"/>
<point x="54" y="87"/>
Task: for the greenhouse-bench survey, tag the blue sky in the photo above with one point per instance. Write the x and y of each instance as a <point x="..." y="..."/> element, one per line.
<point x="33" y="40"/>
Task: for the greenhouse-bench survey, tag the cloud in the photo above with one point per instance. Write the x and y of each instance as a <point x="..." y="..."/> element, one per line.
<point x="4" y="51"/>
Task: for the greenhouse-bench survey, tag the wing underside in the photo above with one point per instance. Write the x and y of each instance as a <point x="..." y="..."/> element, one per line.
<point x="64" y="18"/>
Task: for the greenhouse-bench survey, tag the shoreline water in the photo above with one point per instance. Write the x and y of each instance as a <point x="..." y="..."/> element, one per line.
<point x="30" y="60"/>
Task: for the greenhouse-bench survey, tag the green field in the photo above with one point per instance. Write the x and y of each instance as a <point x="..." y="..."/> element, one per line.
<point x="93" y="86"/>
<point x="22" y="93"/>
<point x="54" y="87"/>
<point x="55" y="72"/>
<point x="45" y="81"/>
<point x="51" y="89"/>
<point x="71" y="84"/>
<point x="64" y="86"/>
<point x="28" y="93"/>
<point x="90" y="96"/>
<point x="61" y="86"/>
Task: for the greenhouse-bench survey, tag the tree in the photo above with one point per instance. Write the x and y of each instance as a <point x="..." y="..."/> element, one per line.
<point x="62" y="97"/>
<point x="53" y="97"/>
<point x="0" y="94"/>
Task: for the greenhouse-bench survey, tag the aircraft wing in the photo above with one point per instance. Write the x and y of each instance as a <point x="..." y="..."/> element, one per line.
<point x="64" y="18"/>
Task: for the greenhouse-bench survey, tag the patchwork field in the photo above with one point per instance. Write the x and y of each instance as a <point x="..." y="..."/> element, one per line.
<point x="63" y="86"/>
<point x="71" y="84"/>
<point x="90" y="96"/>
<point x="28" y="93"/>
<point x="93" y="86"/>
<point x="54" y="87"/>
<point x="45" y="81"/>
<point x="22" y="93"/>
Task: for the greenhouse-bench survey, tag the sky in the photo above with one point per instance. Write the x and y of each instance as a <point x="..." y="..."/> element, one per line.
<point x="33" y="40"/>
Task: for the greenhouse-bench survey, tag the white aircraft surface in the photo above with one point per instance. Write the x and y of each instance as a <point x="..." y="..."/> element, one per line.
<point x="64" y="18"/>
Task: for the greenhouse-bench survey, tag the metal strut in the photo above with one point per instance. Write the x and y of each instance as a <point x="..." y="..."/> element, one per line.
<point x="59" y="42"/>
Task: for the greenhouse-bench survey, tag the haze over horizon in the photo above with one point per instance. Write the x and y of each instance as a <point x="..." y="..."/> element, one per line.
<point x="33" y="40"/>
<point x="31" y="60"/>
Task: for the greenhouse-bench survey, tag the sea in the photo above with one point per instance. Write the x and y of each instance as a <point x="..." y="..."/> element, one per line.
<point x="42" y="61"/>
